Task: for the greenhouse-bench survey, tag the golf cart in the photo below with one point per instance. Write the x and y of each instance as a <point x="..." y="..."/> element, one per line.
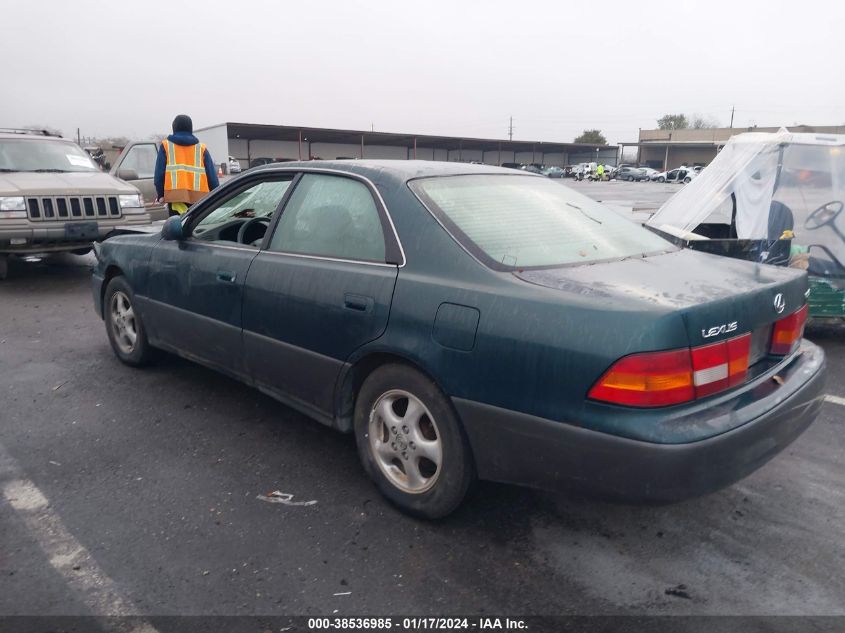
<point x="774" y="198"/>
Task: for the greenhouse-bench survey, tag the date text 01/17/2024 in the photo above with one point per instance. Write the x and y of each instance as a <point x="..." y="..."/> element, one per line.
<point x="417" y="624"/>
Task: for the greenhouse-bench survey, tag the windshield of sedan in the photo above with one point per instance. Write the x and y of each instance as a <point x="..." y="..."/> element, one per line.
<point x="43" y="155"/>
<point x="522" y="221"/>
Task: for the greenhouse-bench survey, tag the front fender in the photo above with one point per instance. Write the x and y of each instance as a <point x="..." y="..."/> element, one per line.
<point x="128" y="255"/>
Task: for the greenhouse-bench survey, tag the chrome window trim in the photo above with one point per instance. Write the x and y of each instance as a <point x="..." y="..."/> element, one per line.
<point x="251" y="249"/>
<point x="331" y="259"/>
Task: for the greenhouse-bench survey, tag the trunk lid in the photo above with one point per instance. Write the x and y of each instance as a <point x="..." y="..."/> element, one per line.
<point x="716" y="297"/>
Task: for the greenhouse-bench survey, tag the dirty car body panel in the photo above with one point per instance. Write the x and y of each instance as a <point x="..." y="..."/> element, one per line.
<point x="515" y="347"/>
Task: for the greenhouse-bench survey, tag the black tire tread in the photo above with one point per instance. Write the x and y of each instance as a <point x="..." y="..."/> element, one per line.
<point x="457" y="473"/>
<point x="143" y="353"/>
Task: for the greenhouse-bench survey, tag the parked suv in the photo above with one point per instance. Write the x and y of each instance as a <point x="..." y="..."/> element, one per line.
<point x="53" y="197"/>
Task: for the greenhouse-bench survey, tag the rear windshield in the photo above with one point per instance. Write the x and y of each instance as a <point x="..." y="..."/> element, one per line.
<point x="523" y="221"/>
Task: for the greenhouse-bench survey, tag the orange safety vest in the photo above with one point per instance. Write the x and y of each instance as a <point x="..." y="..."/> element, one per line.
<point x="184" y="177"/>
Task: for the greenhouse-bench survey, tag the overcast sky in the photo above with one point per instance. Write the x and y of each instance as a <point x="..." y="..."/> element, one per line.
<point x="455" y="67"/>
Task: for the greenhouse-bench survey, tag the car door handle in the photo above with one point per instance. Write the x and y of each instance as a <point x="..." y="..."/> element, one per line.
<point x="359" y="303"/>
<point x="226" y="277"/>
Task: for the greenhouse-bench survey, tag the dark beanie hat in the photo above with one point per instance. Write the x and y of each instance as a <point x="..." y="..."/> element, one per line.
<point x="183" y="123"/>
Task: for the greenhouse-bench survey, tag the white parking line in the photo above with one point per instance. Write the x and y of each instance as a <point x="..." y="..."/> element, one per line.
<point x="67" y="555"/>
<point x="835" y="400"/>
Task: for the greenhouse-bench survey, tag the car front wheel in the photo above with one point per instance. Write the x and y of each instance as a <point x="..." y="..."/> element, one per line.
<point x="125" y="329"/>
<point x="411" y="443"/>
<point x="661" y="179"/>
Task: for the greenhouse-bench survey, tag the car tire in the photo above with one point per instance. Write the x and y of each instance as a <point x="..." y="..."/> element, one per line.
<point x="687" y="180"/>
<point x="124" y="327"/>
<point x="411" y="442"/>
<point x="661" y="179"/>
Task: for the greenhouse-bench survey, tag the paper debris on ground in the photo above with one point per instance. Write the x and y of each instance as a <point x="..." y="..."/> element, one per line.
<point x="277" y="496"/>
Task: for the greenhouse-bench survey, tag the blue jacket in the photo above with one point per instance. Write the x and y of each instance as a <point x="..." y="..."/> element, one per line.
<point x="183" y="138"/>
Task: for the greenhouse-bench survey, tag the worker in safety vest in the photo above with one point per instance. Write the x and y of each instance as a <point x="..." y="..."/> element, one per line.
<point x="600" y="171"/>
<point x="184" y="171"/>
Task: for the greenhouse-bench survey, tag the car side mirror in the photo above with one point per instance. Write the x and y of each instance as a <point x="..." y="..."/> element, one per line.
<point x="173" y="229"/>
<point x="125" y="173"/>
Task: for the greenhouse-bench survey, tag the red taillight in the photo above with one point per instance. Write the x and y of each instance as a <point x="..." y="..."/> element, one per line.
<point x="721" y="365"/>
<point x="788" y="332"/>
<point x="659" y="379"/>
<point x="739" y="353"/>
<point x="655" y="379"/>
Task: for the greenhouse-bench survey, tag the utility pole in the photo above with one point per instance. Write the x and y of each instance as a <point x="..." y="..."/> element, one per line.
<point x="78" y="139"/>
<point x="732" y="116"/>
<point x="510" y="130"/>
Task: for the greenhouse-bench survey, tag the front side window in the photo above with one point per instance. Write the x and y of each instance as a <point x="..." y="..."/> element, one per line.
<point x="330" y="216"/>
<point x="142" y="160"/>
<point x="45" y="155"/>
<point x="255" y="204"/>
<point x="520" y="222"/>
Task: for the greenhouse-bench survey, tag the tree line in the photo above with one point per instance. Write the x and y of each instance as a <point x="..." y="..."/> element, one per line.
<point x="666" y="122"/>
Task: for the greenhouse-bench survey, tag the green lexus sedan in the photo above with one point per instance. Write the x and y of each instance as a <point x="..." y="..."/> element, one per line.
<point x="469" y="322"/>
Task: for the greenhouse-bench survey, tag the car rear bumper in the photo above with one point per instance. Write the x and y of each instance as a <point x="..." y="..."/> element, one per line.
<point x="517" y="448"/>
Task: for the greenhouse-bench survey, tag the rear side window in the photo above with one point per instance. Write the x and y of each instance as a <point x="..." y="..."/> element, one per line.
<point x="330" y="216"/>
<point x="521" y="221"/>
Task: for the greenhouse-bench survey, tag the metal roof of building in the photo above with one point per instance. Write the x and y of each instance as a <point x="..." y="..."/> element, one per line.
<point x="255" y="131"/>
<point x="654" y="143"/>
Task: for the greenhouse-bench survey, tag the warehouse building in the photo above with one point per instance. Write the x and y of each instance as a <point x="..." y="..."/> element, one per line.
<point x="667" y="149"/>
<point x="251" y="143"/>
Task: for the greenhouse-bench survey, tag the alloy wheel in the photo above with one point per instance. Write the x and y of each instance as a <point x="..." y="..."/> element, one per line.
<point x="405" y="441"/>
<point x="123" y="323"/>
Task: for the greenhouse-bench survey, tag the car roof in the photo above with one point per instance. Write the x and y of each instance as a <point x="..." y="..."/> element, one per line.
<point x="396" y="169"/>
<point x="33" y="137"/>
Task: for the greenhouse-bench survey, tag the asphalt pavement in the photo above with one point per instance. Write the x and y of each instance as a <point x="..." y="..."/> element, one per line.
<point x="639" y="197"/>
<point x="130" y="491"/>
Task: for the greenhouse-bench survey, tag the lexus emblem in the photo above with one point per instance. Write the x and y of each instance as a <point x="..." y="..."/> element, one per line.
<point x="780" y="303"/>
